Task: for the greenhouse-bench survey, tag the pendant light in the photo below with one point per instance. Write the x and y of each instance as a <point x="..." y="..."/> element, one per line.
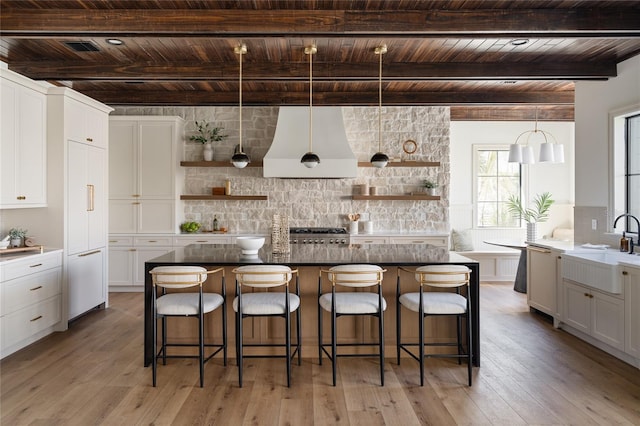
<point x="380" y="159"/>
<point x="550" y="150"/>
<point x="310" y="159"/>
<point x="240" y="159"/>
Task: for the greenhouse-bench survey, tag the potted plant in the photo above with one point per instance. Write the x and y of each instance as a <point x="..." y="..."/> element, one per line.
<point x="205" y="134"/>
<point x="16" y="235"/>
<point x="532" y="215"/>
<point x="429" y="186"/>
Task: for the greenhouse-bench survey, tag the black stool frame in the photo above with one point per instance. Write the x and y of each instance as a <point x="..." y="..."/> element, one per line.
<point x="462" y="353"/>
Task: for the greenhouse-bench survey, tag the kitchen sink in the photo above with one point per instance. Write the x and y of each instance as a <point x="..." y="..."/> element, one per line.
<point x="598" y="269"/>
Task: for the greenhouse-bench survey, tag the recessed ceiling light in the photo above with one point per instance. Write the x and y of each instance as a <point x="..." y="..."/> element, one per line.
<point x="115" y="41"/>
<point x="519" y="41"/>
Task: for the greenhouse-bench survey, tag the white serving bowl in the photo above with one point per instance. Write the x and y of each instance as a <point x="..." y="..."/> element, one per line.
<point x="250" y="245"/>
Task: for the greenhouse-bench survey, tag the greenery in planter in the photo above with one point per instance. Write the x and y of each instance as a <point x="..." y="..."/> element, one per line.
<point x="205" y="133"/>
<point x="429" y="184"/>
<point x="539" y="213"/>
<point x="15" y="233"/>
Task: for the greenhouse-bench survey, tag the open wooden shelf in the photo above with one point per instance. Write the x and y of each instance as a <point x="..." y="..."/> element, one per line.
<point x="21" y="249"/>
<point x="396" y="197"/>
<point x="223" y="197"/>
<point x="216" y="164"/>
<point x="403" y="164"/>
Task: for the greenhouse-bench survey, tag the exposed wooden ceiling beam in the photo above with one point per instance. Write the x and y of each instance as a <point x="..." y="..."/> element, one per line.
<point x="186" y="98"/>
<point x="292" y="23"/>
<point x="339" y="71"/>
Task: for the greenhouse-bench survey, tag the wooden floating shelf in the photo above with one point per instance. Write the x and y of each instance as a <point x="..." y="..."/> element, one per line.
<point x="216" y="164"/>
<point x="396" y="197"/>
<point x="223" y="197"/>
<point x="21" y="249"/>
<point x="403" y="164"/>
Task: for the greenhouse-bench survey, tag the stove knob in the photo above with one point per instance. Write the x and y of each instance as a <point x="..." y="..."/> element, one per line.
<point x="321" y="241"/>
<point x="304" y="241"/>
<point x="316" y="241"/>
<point x="331" y="241"/>
<point x="344" y="241"/>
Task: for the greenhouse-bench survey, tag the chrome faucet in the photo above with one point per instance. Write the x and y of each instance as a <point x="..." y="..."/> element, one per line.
<point x="637" y="227"/>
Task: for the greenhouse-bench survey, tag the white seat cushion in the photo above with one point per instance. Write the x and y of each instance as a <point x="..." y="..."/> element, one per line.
<point x="353" y="303"/>
<point x="435" y="302"/>
<point x="363" y="275"/>
<point x="271" y="303"/>
<point x="187" y="303"/>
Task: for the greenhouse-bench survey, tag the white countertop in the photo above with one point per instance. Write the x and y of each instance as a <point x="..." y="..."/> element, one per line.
<point x="13" y="257"/>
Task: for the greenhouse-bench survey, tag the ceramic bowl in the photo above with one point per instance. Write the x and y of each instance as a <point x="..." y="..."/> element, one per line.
<point x="250" y="245"/>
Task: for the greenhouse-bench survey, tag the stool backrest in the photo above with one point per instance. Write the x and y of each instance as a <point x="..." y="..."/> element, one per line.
<point x="263" y="275"/>
<point x="355" y="275"/>
<point x="443" y="275"/>
<point x="178" y="276"/>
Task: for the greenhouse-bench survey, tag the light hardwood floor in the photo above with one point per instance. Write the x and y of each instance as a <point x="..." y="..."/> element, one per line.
<point x="530" y="374"/>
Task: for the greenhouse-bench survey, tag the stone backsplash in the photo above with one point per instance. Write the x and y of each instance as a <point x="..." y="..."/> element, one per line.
<point x="319" y="202"/>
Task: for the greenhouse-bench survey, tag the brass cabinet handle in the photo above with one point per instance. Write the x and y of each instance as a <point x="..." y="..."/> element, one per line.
<point x="36" y="318"/>
<point x="92" y="190"/>
<point x="21" y="197"/>
<point x="586" y="295"/>
<point x="624" y="272"/>
<point x="89" y="254"/>
<point x="89" y="139"/>
<point x="135" y="204"/>
<point x="35" y="288"/>
<point x="35" y="266"/>
<point x="132" y="249"/>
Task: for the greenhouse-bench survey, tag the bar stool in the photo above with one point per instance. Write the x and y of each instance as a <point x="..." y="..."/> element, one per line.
<point x="186" y="304"/>
<point x="267" y="304"/>
<point x="340" y="303"/>
<point x="436" y="303"/>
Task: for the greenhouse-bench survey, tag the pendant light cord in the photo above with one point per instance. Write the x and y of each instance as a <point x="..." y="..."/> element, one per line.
<point x="240" y="103"/>
<point x="311" y="97"/>
<point x="380" y="105"/>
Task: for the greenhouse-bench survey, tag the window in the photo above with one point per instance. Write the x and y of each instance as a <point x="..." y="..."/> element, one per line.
<point x="632" y="168"/>
<point x="495" y="181"/>
<point x="625" y="178"/>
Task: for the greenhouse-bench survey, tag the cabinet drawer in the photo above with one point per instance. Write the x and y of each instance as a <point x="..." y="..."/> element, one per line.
<point x="30" y="265"/>
<point x="34" y="288"/>
<point x="28" y="321"/>
<point x="153" y="241"/>
<point x="369" y="240"/>
<point x="436" y="241"/>
<point x="120" y="241"/>
<point x="202" y="239"/>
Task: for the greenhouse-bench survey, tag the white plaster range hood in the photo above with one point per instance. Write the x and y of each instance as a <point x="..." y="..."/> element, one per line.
<point x="291" y="142"/>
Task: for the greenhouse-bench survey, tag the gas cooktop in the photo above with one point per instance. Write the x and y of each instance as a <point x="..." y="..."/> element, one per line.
<point x="318" y="236"/>
<point x="317" y="230"/>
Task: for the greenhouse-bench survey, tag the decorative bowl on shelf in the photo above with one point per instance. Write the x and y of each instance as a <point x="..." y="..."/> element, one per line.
<point x="250" y="245"/>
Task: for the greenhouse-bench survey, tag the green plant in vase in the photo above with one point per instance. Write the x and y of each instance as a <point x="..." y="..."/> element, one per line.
<point x="206" y="134"/>
<point x="532" y="215"/>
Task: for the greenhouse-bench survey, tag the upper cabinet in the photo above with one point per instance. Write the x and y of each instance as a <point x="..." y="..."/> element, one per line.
<point x="144" y="178"/>
<point x="23" y="142"/>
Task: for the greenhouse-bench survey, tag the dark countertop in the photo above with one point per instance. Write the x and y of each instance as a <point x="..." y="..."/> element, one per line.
<point x="314" y="254"/>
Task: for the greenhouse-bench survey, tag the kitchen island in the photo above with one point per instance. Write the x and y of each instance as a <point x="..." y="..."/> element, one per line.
<point x="309" y="259"/>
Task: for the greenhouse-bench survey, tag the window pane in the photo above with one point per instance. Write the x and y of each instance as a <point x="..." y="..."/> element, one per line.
<point x="633" y="145"/>
<point x="487" y="163"/>
<point x="496" y="181"/>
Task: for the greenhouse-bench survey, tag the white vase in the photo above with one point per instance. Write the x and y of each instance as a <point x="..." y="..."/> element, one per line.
<point x="207" y="152"/>
<point x="532" y="231"/>
<point x="430" y="191"/>
<point x="16" y="242"/>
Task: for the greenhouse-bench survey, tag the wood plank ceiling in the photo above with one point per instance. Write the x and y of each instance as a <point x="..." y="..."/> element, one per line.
<point x="460" y="53"/>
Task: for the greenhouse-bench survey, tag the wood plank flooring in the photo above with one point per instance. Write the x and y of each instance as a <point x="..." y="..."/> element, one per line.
<point x="530" y="374"/>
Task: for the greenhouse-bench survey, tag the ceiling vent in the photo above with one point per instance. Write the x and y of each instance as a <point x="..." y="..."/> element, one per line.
<point x="82" y="46"/>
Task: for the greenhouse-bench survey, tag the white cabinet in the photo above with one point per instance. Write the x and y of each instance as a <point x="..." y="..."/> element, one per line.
<point x="631" y="278"/>
<point x="85" y="279"/>
<point x="144" y="178"/>
<point x="368" y="239"/>
<point x="203" y="239"/>
<point x="31" y="302"/>
<point x="86" y="202"/>
<point x="594" y="313"/>
<point x="542" y="279"/>
<point x="78" y="138"/>
<point x="23" y="142"/>
<point x="436" y="241"/>
<point x="127" y="255"/>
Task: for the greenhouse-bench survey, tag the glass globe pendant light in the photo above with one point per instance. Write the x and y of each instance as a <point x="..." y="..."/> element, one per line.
<point x="310" y="159"/>
<point x="240" y="159"/>
<point x="380" y="159"/>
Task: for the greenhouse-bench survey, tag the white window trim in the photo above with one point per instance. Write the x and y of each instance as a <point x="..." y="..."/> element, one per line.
<point x="524" y="187"/>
